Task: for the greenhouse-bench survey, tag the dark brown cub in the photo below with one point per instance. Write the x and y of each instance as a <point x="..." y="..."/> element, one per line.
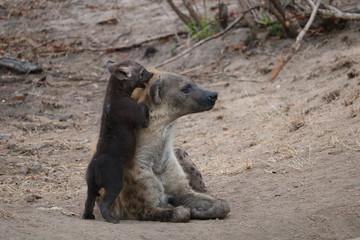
<point x="115" y="150"/>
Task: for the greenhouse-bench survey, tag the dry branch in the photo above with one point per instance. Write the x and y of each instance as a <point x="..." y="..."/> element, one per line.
<point x="250" y="20"/>
<point x="291" y="27"/>
<point x="192" y="12"/>
<point x="183" y="17"/>
<point x="333" y="12"/>
<point x="206" y="39"/>
<point x="118" y="48"/>
<point x="295" y="47"/>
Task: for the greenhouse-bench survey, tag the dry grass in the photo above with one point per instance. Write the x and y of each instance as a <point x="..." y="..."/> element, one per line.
<point x="351" y="144"/>
<point x="296" y="122"/>
<point x="221" y="167"/>
<point x="60" y="209"/>
<point x="293" y="122"/>
<point x="37" y="167"/>
<point x="287" y="157"/>
<point x="43" y="184"/>
<point x="331" y="96"/>
<point x="350" y="98"/>
<point x="6" y="214"/>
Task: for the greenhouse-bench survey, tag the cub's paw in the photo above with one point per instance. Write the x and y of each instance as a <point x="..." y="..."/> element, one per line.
<point x="88" y="216"/>
<point x="145" y="115"/>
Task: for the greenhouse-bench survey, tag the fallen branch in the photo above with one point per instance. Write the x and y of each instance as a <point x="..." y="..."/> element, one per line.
<point x="254" y="29"/>
<point x="193" y="14"/>
<point x="118" y="48"/>
<point x="136" y="44"/>
<point x="18" y="66"/>
<point x="183" y="17"/>
<point x="206" y="39"/>
<point x="333" y="12"/>
<point x="289" y="24"/>
<point x="295" y="47"/>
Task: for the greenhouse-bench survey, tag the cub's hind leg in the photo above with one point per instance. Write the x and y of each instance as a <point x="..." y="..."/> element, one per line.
<point x="92" y="193"/>
<point x="112" y="188"/>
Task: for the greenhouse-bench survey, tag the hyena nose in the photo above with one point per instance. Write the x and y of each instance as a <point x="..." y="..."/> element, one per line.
<point x="213" y="96"/>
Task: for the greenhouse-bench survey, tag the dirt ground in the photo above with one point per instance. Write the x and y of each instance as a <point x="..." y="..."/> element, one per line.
<point x="286" y="155"/>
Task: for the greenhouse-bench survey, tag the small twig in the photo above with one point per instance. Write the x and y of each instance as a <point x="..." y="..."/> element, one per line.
<point x="295" y="47"/>
<point x="206" y="39"/>
<point x="205" y="10"/>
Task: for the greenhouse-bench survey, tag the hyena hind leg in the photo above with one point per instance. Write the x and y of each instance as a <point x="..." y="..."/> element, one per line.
<point x="203" y="206"/>
<point x="145" y="200"/>
<point x="173" y="214"/>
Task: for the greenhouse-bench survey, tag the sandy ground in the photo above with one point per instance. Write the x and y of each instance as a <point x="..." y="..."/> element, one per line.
<point x="284" y="154"/>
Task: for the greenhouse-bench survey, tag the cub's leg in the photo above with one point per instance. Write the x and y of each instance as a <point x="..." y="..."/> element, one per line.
<point x="143" y="198"/>
<point x="113" y="180"/>
<point x="92" y="193"/>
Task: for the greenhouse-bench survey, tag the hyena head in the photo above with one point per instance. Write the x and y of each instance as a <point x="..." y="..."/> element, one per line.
<point x="175" y="95"/>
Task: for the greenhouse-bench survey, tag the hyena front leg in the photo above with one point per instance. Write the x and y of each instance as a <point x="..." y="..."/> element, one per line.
<point x="144" y="199"/>
<point x="192" y="172"/>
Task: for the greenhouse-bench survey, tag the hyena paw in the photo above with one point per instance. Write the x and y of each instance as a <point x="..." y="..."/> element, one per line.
<point x="217" y="209"/>
<point x="181" y="214"/>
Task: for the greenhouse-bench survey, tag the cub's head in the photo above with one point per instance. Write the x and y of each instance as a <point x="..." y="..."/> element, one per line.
<point x="175" y="95"/>
<point x="130" y="73"/>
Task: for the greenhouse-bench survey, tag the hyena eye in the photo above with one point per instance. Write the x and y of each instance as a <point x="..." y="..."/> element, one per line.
<point x="186" y="89"/>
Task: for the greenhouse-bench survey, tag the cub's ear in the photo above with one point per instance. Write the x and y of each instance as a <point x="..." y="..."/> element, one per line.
<point x="155" y="90"/>
<point x="118" y="71"/>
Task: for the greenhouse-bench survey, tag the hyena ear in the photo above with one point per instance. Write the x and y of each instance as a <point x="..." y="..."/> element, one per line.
<point x="120" y="72"/>
<point x="155" y="90"/>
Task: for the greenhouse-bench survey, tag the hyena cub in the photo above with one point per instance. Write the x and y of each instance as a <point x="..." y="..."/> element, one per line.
<point x="121" y="117"/>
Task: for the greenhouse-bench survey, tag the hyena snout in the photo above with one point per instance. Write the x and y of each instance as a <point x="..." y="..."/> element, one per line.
<point x="212" y="96"/>
<point x="207" y="99"/>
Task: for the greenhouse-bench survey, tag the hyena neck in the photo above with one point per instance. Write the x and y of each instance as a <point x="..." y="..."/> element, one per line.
<point x="159" y="117"/>
<point x="152" y="145"/>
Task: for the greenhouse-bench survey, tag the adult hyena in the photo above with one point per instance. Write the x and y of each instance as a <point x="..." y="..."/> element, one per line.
<point x="156" y="187"/>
